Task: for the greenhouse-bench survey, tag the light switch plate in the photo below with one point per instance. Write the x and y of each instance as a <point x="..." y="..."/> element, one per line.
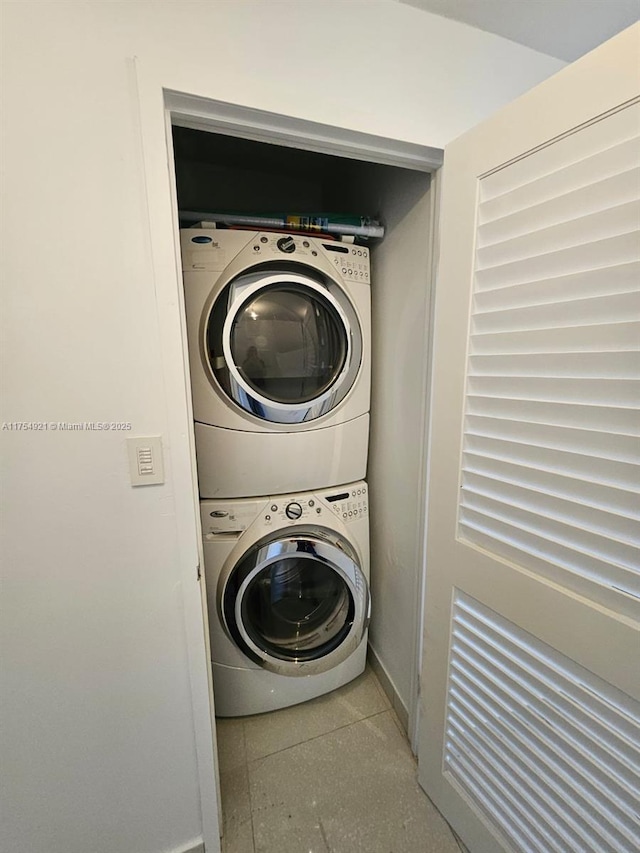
<point x="146" y="465"/>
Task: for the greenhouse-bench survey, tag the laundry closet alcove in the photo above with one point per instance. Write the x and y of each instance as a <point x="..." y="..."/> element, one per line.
<point x="227" y="172"/>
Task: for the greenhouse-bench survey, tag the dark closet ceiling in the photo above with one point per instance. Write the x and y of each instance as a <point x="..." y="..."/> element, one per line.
<point x="220" y="173"/>
<point x="232" y="152"/>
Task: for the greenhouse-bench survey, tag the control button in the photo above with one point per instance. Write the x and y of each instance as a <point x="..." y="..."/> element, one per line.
<point x="256" y="248"/>
<point x="274" y="508"/>
<point x="267" y="518"/>
<point x="344" y="514"/>
<point x="350" y="272"/>
<point x="293" y="510"/>
<point x="353" y="251"/>
<point x="353" y="494"/>
<point x="286" y="245"/>
<point x="305" y="243"/>
<point x="314" y="253"/>
<point x="264" y="239"/>
<point x="318" y="509"/>
<point x="344" y="270"/>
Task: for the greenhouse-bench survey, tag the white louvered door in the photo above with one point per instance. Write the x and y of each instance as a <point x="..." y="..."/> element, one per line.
<point x="529" y="736"/>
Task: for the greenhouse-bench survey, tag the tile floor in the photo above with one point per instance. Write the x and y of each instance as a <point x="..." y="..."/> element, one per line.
<point x="334" y="775"/>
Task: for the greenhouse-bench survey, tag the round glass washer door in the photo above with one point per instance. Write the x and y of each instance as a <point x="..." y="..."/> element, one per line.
<point x="297" y="605"/>
<point x="289" y="348"/>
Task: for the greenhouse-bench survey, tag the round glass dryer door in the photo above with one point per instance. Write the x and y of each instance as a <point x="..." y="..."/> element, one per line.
<point x="298" y="605"/>
<point x="288" y="348"/>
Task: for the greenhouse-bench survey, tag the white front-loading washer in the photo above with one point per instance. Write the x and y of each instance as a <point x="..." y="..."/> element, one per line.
<point x="287" y="581"/>
<point x="279" y="337"/>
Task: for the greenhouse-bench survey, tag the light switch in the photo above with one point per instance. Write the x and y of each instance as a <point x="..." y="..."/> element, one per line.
<point x="146" y="466"/>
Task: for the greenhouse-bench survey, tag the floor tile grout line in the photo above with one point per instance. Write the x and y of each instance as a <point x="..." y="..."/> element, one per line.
<point x="324" y="835"/>
<point x="246" y="762"/>
<point x="323" y="734"/>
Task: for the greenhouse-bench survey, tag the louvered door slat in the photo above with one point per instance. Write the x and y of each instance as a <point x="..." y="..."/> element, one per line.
<point x="511" y="737"/>
<point x="623" y="528"/>
<point x="594" y="311"/>
<point x="588" y="440"/>
<point x="600" y="139"/>
<point x="616" y="220"/>
<point x="589" y="199"/>
<point x="553" y="372"/>
<point x="613" y="498"/>
<point x="598" y="254"/>
<point x="566" y="736"/>
<point x="611" y="162"/>
<point x="607" y="741"/>
<point x="473" y="713"/>
<point x="618" y="421"/>
<point x="558" y="778"/>
<point x="616" y="278"/>
<point x="588" y="365"/>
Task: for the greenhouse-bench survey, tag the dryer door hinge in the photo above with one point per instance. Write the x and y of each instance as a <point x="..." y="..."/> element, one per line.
<point x="198" y="573"/>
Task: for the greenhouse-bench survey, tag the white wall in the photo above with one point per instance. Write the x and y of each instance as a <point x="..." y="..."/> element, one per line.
<point x="401" y="318"/>
<point x="99" y="747"/>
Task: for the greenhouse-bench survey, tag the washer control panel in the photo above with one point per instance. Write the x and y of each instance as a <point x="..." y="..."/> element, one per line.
<point x="350" y="503"/>
<point x="285" y="510"/>
<point x="233" y="517"/>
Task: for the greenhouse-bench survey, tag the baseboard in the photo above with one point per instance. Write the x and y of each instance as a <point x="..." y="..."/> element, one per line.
<point x="389" y="688"/>
<point x="193" y="846"/>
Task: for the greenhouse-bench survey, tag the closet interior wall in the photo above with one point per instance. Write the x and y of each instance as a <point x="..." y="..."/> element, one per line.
<point x="217" y="172"/>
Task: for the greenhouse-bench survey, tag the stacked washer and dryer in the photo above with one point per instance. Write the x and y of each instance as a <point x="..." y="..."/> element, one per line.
<point x="279" y="336"/>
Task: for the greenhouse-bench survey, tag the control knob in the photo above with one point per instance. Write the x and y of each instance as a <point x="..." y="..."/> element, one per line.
<point x="286" y="244"/>
<point x="293" y="510"/>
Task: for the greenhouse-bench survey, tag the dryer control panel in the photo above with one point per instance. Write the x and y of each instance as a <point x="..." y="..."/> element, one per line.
<point x="350" y="261"/>
<point x="353" y="264"/>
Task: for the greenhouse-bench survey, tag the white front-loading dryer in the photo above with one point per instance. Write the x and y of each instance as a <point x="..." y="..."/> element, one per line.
<point x="287" y="581"/>
<point x="279" y="336"/>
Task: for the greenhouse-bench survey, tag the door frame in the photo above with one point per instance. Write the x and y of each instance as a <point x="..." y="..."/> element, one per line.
<point x="200" y="113"/>
<point x="157" y="108"/>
